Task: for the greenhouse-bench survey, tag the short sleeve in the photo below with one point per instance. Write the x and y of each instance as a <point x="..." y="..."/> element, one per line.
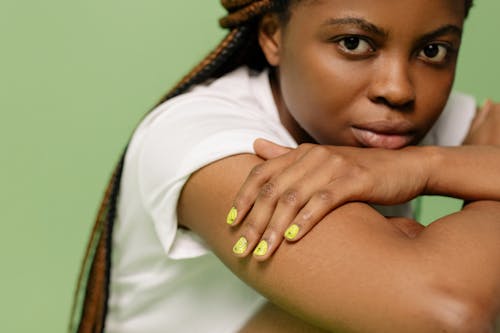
<point x="182" y="137"/>
<point x="453" y="125"/>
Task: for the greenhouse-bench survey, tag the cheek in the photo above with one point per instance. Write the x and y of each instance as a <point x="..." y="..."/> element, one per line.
<point x="301" y="81"/>
<point x="433" y="93"/>
<point x="315" y="71"/>
<point x="310" y="99"/>
<point x="317" y="87"/>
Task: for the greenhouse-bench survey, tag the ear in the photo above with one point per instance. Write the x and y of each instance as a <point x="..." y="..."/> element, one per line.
<point x="270" y="38"/>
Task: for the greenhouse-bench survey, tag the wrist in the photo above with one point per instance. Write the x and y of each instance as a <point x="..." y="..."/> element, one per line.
<point x="428" y="160"/>
<point x="435" y="162"/>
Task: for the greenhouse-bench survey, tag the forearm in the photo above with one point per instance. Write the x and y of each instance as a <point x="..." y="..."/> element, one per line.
<point x="312" y="277"/>
<point x="355" y="271"/>
<point x="466" y="172"/>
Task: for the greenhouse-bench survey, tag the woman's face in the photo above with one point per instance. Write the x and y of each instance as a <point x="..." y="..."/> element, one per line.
<point x="372" y="73"/>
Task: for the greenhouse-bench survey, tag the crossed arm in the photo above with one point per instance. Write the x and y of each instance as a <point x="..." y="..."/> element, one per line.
<point x="355" y="271"/>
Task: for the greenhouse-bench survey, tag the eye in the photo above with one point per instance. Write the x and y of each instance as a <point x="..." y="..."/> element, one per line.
<point x="355" y="45"/>
<point x="435" y="53"/>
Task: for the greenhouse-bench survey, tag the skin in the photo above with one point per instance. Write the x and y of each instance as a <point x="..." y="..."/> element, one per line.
<point x="486" y="126"/>
<point x="388" y="89"/>
<point x="271" y="319"/>
<point x="300" y="186"/>
<point x="356" y="271"/>
<point x="386" y="79"/>
<point x="399" y="103"/>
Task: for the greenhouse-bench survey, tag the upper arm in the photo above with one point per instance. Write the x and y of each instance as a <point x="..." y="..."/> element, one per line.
<point x="353" y="267"/>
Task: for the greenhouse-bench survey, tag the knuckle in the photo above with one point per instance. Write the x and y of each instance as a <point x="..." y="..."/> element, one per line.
<point x="258" y="171"/>
<point x="243" y="200"/>
<point x="251" y="229"/>
<point x="268" y="190"/>
<point x="340" y="161"/>
<point x="320" y="150"/>
<point x="305" y="146"/>
<point x="324" y="196"/>
<point x="307" y="216"/>
<point x="271" y="231"/>
<point x="290" y="197"/>
<point x="273" y="236"/>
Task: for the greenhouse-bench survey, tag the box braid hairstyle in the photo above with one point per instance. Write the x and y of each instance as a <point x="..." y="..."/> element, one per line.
<point x="239" y="47"/>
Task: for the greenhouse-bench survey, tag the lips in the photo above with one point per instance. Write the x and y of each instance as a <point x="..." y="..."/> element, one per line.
<point x="384" y="134"/>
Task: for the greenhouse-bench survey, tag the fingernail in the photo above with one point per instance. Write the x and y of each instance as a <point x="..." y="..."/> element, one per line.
<point x="292" y="232"/>
<point x="241" y="246"/>
<point x="261" y="249"/>
<point x="231" y="217"/>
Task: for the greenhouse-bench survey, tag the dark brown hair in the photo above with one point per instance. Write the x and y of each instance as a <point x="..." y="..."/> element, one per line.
<point x="239" y="47"/>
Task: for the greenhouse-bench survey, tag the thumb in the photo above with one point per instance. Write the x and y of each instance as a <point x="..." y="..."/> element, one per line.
<point x="267" y="149"/>
<point x="481" y="115"/>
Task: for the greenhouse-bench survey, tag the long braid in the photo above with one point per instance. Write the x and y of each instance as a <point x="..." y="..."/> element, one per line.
<point x="208" y="66"/>
<point x="93" y="281"/>
<point x="241" y="21"/>
<point x="238" y="14"/>
<point x="237" y="48"/>
<point x="91" y="296"/>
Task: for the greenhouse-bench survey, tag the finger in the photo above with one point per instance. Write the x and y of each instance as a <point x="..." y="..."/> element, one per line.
<point x="322" y="202"/>
<point x="274" y="200"/>
<point x="259" y="175"/>
<point x="287" y="207"/>
<point x="301" y="186"/>
<point x="256" y="221"/>
<point x="268" y="150"/>
<point x="481" y="115"/>
<point x="249" y="191"/>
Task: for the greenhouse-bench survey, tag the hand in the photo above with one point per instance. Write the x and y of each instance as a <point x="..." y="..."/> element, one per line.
<point x="294" y="189"/>
<point x="485" y="128"/>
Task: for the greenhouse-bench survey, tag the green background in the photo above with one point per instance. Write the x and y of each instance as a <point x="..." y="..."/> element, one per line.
<point x="75" y="78"/>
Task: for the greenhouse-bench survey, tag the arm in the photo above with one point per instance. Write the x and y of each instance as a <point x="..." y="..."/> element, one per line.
<point x="485" y="128"/>
<point x="271" y="319"/>
<point x="467" y="172"/>
<point x="355" y="272"/>
<point x="309" y="182"/>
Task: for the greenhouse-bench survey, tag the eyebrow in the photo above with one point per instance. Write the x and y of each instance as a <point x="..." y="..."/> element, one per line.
<point x="372" y="28"/>
<point x="359" y="22"/>
<point x="448" y="29"/>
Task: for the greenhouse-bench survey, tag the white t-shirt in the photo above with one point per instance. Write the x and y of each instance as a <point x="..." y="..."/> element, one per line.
<point x="164" y="279"/>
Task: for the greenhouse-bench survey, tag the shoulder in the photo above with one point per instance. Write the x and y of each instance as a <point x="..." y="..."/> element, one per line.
<point x="231" y="111"/>
<point x="238" y="101"/>
<point x="209" y="123"/>
<point x="242" y="89"/>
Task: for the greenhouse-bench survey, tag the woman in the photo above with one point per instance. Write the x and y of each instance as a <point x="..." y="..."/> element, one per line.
<point x="334" y="73"/>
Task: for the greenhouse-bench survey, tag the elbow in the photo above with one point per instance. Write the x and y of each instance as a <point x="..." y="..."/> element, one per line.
<point x="463" y="315"/>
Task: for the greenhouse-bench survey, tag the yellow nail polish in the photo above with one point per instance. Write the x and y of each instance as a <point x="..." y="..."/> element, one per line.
<point x="241" y="246"/>
<point x="231" y="217"/>
<point x="292" y="232"/>
<point x="261" y="249"/>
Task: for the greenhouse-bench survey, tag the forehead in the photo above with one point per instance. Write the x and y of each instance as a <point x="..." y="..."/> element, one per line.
<point x="385" y="13"/>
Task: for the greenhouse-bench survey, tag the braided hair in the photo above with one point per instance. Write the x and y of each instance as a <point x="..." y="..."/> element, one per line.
<point x="239" y="47"/>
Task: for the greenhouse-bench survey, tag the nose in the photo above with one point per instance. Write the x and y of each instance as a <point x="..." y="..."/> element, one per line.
<point x="392" y="85"/>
